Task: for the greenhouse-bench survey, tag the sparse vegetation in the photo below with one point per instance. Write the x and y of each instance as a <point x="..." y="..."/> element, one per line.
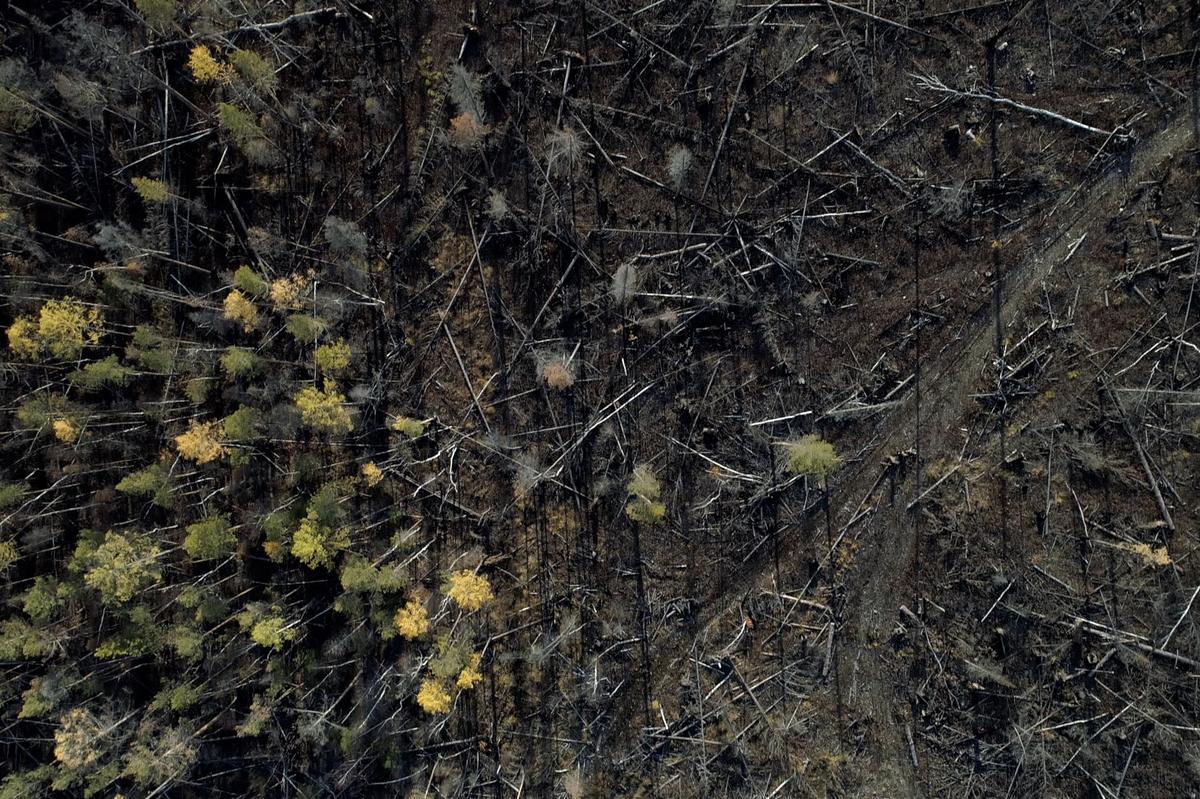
<point x="811" y="456"/>
<point x="645" y="491"/>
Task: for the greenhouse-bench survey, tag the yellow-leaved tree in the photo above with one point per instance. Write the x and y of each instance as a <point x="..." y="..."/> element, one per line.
<point x="433" y="697"/>
<point x="333" y="358"/>
<point x="322" y="533"/>
<point x="239" y="308"/>
<point x="205" y="67"/>
<point x="61" y="329"/>
<point x="469" y="591"/>
<point x="78" y="739"/>
<point x="288" y="293"/>
<point x="454" y="667"/>
<point x="470" y="676"/>
<point x="65" y="430"/>
<point x="324" y="411"/>
<point x="202" y="442"/>
<point x="412" y="620"/>
<point x="372" y="475"/>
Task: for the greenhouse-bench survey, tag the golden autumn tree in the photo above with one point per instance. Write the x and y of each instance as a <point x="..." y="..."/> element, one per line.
<point x="60" y="330"/>
<point x="202" y="442"/>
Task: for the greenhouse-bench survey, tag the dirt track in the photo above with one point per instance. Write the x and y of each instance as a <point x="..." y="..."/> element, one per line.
<point x="880" y="580"/>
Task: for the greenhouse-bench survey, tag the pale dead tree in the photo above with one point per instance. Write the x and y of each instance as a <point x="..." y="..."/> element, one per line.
<point x="497" y="205"/>
<point x="679" y="163"/>
<point x="931" y="83"/>
<point x="564" y="151"/>
<point x="556" y="371"/>
<point x="624" y="283"/>
<point x="466" y="90"/>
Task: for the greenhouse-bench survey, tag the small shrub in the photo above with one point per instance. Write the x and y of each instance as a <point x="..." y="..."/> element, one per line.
<point x="556" y="373"/>
<point x="186" y="642"/>
<point x="17" y="115"/>
<point x="84" y="97"/>
<point x="1151" y="556"/>
<point x="361" y="576"/>
<point x="565" y="151"/>
<point x="497" y="207"/>
<point x="679" y="163"/>
<point x="255" y="70"/>
<point x="178" y="698"/>
<point x="247" y="281"/>
<point x="466" y="90"/>
<point x="345" y="238"/>
<point x="272" y="632"/>
<point x="9" y="554"/>
<point x="39" y="411"/>
<point x="197" y="389"/>
<point x="239" y="362"/>
<point x="811" y="456"/>
<point x="152" y="192"/>
<point x="449" y="661"/>
<point x="19" y="640"/>
<point x="277" y="525"/>
<point x="100" y="374"/>
<point x="41" y="601"/>
<point x="153" y="481"/>
<point x="246" y="134"/>
<point x="11" y="494"/>
<point x="305" y="329"/>
<point x="151" y="350"/>
<point x="242" y="424"/>
<point x="624" y="283"/>
<point x="122" y="566"/>
<point x="466" y="132"/>
<point x="645" y="491"/>
<point x="159" y="14"/>
<point x="357" y="576"/>
<point x="209" y="538"/>
<point x="408" y="426"/>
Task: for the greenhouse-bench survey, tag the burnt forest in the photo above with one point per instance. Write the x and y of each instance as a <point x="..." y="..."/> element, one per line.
<point x="571" y="399"/>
